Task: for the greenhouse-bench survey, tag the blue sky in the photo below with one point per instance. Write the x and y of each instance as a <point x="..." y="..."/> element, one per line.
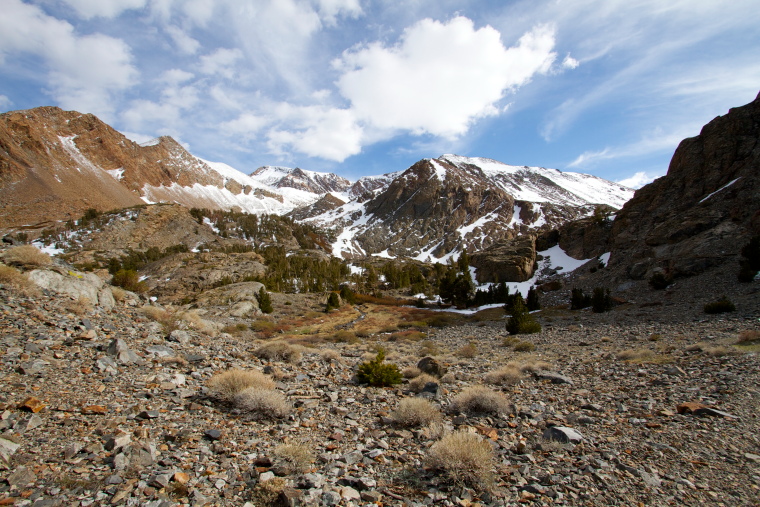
<point x="361" y="87"/>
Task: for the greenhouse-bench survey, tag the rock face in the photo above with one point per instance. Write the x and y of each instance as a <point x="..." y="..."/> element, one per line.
<point x="704" y="210"/>
<point x="509" y="261"/>
<point x="300" y="179"/>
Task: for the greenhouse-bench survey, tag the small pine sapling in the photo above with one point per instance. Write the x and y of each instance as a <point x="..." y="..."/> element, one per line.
<point x="378" y="374"/>
<point x="265" y="302"/>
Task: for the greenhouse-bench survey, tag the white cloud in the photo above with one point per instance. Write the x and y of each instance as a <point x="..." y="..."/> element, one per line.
<point x="246" y="125"/>
<point x="639" y="179"/>
<point x="183" y="41"/>
<point x="167" y="112"/>
<point x="221" y="62"/>
<point x="104" y="8"/>
<point x="570" y="63"/>
<point x="83" y="71"/>
<point x="590" y="157"/>
<point x="176" y="76"/>
<point x="441" y="76"/>
<point x="5" y="101"/>
<point x="200" y="11"/>
<point x="330" y="9"/>
<point x="137" y="137"/>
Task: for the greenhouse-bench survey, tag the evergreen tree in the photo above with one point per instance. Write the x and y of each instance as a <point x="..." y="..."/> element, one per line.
<point x="521" y="321"/>
<point x="578" y="300"/>
<point x="333" y="301"/>
<point x="347" y="295"/>
<point x="265" y="302"/>
<point x="532" y="302"/>
<point x="601" y="301"/>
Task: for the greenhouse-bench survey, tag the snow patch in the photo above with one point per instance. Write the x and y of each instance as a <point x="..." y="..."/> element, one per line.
<point x="721" y="189"/>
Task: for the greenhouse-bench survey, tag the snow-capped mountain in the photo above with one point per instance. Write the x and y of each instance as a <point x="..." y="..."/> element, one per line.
<point x="439" y="206"/>
<point x="301" y="179"/>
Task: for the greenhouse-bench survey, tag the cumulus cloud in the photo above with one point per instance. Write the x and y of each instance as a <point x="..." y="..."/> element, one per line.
<point x="441" y="76"/>
<point x="570" y="63"/>
<point x="83" y="70"/>
<point x="246" y="125"/>
<point x="639" y="179"/>
<point x="104" y="8"/>
<point x="329" y="10"/>
<point x="183" y="41"/>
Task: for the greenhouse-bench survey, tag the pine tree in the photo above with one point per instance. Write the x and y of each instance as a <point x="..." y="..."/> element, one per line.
<point x="601" y="301"/>
<point x="333" y="301"/>
<point x="532" y="302"/>
<point x="265" y="302"/>
<point x="521" y="321"/>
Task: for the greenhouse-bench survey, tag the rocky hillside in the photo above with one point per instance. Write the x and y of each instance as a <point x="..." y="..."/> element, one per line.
<point x="703" y="211"/>
<point x="55" y="164"/>
<point x="300" y="179"/>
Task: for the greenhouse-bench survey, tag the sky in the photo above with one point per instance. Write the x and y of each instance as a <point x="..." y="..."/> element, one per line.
<point x="366" y="87"/>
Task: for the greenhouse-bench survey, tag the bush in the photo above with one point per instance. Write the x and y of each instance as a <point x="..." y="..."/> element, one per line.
<point x="579" y="300"/>
<point x="601" y="301"/>
<point x="228" y="384"/>
<point x="333" y="302"/>
<point x="749" y="336"/>
<point x="506" y="375"/>
<point x="659" y="281"/>
<point x="533" y="302"/>
<point x="26" y="256"/>
<point x="468" y="351"/>
<point x="128" y="279"/>
<point x="293" y="458"/>
<point x="479" y="400"/>
<point x="521" y="321"/>
<point x="347" y="295"/>
<point x="465" y="458"/>
<point x="265" y="302"/>
<point x="14" y="278"/>
<point x="723" y="305"/>
<point x="265" y="403"/>
<point x="525" y="346"/>
<point x="375" y="373"/>
<point x="415" y="412"/>
<point x="417" y="384"/>
<point x="279" y="351"/>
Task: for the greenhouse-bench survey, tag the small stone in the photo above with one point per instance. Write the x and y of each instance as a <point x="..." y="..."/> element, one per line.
<point x="72" y="450"/>
<point x="562" y="434"/>
<point x="161" y="351"/>
<point x="689" y="407"/>
<point x="348" y="493"/>
<point x="114" y="479"/>
<point x="266" y="476"/>
<point x="94" y="410"/>
<point x="32" y="404"/>
<point x="310" y="481"/>
<point x="21" y="477"/>
<point x="118" y="441"/>
<point x="179" y="336"/>
<point x="553" y="377"/>
<point x="331" y="498"/>
<point x="181" y="477"/>
<point x="148" y="414"/>
<point x="712" y="412"/>
<point x="371" y="496"/>
<point x="213" y="434"/>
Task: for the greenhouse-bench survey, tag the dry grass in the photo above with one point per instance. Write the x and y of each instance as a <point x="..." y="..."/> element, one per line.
<point x="415" y="412"/>
<point x="418" y="383"/>
<point x="268" y="492"/>
<point x="264" y="403"/>
<point x="465" y="458"/>
<point x="748" y="336"/>
<point x="506" y="375"/>
<point x="642" y="356"/>
<point x="330" y="355"/>
<point x="468" y="351"/>
<point x="194" y="320"/>
<point x="428" y="348"/>
<point x="479" y="400"/>
<point x="80" y="306"/>
<point x="293" y="458"/>
<point x="279" y="351"/>
<point x="119" y="294"/>
<point x="26" y="256"/>
<point x="525" y="346"/>
<point x="411" y="372"/>
<point x="228" y="384"/>
<point x="15" y="279"/>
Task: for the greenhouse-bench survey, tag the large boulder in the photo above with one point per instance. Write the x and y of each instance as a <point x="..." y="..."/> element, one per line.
<point x="77" y="285"/>
<point x="509" y="261"/>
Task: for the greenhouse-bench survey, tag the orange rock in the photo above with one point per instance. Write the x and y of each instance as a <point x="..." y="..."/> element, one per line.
<point x="181" y="477"/>
<point x="689" y="407"/>
<point x="32" y="404"/>
<point x="94" y="409"/>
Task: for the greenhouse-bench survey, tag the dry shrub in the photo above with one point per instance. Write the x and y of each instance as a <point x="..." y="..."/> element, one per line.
<point x="279" y="351"/>
<point x="448" y="378"/>
<point x="510" y="341"/>
<point x="411" y="372"/>
<point x="721" y="350"/>
<point x="418" y="383"/>
<point x="468" y="351"/>
<point x="428" y="348"/>
<point x="416" y="412"/>
<point x="409" y="335"/>
<point x="635" y="355"/>
<point x="80" y="306"/>
<point x="479" y="399"/>
<point x="293" y="458"/>
<point x="330" y="355"/>
<point x="228" y="384"/>
<point x="194" y="320"/>
<point x="749" y="336"/>
<point x="119" y="294"/>
<point x="15" y="279"/>
<point x="235" y="329"/>
<point x="344" y="336"/>
<point x="463" y="457"/>
<point x="525" y="346"/>
<point x="506" y="375"/>
<point x="532" y="365"/>
<point x="264" y="403"/>
<point x="156" y="313"/>
<point x="26" y="256"/>
<point x="268" y="492"/>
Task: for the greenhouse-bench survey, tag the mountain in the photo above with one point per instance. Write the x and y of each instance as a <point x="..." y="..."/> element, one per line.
<point x="439" y="206"/>
<point x="55" y="164"/>
<point x="705" y="208"/>
<point x="300" y="179"/>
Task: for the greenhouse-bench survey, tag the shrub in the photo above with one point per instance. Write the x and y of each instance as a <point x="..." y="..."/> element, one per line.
<point x="417" y="384"/>
<point x="26" y="256"/>
<point x="749" y="336"/>
<point x="279" y="351"/>
<point x="601" y="301"/>
<point x="411" y="372"/>
<point x="128" y="279"/>
<point x="468" y="351"/>
<point x="333" y="302"/>
<point x="415" y="412"/>
<point x="12" y="277"/>
<point x="525" y="346"/>
<point x="235" y="329"/>
<point x="579" y="300"/>
<point x="659" y="281"/>
<point x="345" y="336"/>
<point x="428" y="348"/>
<point x="479" y="399"/>
<point x="506" y="375"/>
<point x="375" y="373"/>
<point x="465" y="458"/>
<point x="293" y="458"/>
<point x="228" y="384"/>
<point x="521" y="321"/>
<point x="265" y="302"/>
<point x="329" y="355"/>
<point x="723" y="305"/>
<point x="347" y="295"/>
<point x="262" y="402"/>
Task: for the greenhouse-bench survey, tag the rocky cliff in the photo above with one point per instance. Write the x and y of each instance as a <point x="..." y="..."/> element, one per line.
<point x="704" y="210"/>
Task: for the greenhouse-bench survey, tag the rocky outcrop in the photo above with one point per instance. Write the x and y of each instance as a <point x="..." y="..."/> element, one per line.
<point x="511" y="261"/>
<point x="585" y="238"/>
<point x="77" y="285"/>
<point x="704" y="210"/>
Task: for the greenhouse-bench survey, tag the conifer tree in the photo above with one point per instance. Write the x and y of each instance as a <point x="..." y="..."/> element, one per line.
<point x="521" y="321"/>
<point x="265" y="302"/>
<point x="532" y="302"/>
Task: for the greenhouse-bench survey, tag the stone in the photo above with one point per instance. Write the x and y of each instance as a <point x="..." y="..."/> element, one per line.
<point x="349" y="494"/>
<point x="94" y="410"/>
<point x="431" y="366"/>
<point x="553" y="377"/>
<point x="310" y="481"/>
<point x="431" y="391"/>
<point x="562" y="434"/>
<point x="28" y="423"/>
<point x="21" y="477"/>
<point x="148" y="414"/>
<point x="689" y="407"/>
<point x="123" y="354"/>
<point x="181" y="477"/>
<point x="331" y="498"/>
<point x="213" y="434"/>
<point x="712" y="412"/>
<point x="32" y="404"/>
<point x="118" y="441"/>
<point x="160" y="351"/>
<point x="179" y="336"/>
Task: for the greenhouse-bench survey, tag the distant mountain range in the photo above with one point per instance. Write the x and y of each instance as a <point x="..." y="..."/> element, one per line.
<point x="55" y="164"/>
